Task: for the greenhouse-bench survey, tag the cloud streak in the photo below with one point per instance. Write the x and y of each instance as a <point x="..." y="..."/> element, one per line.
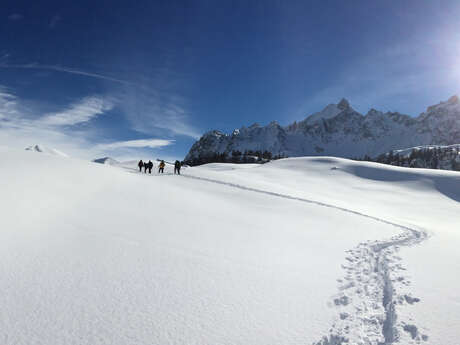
<point x="148" y="109"/>
<point x="156" y="112"/>
<point x="20" y="128"/>
<point x="8" y="104"/>
<point x="80" y="112"/>
<point x="65" y="70"/>
<point x="141" y="143"/>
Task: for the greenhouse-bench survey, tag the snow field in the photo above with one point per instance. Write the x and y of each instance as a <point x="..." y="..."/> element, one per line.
<point x="94" y="254"/>
<point x="425" y="201"/>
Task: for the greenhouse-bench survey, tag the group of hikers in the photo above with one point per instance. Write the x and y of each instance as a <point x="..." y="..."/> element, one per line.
<point x="161" y="167"/>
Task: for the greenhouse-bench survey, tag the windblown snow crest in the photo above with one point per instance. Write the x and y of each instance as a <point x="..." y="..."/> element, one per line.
<point x="44" y="149"/>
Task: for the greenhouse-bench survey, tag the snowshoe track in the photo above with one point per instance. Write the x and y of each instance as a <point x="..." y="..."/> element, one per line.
<point x="368" y="298"/>
<point x="370" y="292"/>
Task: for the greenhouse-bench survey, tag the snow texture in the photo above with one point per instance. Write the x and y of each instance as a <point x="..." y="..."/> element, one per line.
<point x="296" y="251"/>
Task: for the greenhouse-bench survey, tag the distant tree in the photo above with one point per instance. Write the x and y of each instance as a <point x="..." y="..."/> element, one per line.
<point x="236" y="156"/>
<point x="434" y="162"/>
<point x="267" y="155"/>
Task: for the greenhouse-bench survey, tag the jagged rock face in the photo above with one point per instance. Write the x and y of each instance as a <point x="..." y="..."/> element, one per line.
<point x="442" y="121"/>
<point x="339" y="130"/>
<point x="210" y="143"/>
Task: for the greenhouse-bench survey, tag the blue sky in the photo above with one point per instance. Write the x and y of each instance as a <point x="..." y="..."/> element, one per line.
<point x="146" y="78"/>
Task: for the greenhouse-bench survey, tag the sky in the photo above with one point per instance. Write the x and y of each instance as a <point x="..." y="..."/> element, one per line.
<point x="145" y="79"/>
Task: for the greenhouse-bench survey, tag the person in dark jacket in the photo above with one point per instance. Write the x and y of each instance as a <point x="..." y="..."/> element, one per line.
<point x="177" y="166"/>
<point x="140" y="165"/>
<point x="150" y="166"/>
<point x="161" y="167"/>
<point x="145" y="167"/>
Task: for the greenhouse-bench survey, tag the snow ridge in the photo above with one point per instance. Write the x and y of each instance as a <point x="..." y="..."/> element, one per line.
<point x="367" y="298"/>
<point x="44" y="149"/>
<point x="106" y="160"/>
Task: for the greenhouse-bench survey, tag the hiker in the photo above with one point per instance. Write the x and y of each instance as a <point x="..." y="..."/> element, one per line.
<point x="145" y="167"/>
<point x="177" y="166"/>
<point x="161" y="167"/>
<point x="150" y="166"/>
<point x="140" y="165"/>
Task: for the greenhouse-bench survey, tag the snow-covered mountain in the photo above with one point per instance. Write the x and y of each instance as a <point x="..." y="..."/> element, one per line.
<point x="44" y="149"/>
<point x="337" y="130"/>
<point x="106" y="160"/>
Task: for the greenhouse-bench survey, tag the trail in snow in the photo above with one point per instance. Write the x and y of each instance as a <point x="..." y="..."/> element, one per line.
<point x="310" y="201"/>
<point x="368" y="296"/>
<point x="367" y="300"/>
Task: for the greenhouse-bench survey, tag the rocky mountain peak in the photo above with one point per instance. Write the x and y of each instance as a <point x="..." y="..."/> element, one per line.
<point x="343" y="104"/>
<point x="454" y="100"/>
<point x="373" y="112"/>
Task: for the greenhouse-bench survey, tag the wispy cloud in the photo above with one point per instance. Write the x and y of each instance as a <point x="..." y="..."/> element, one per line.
<point x="80" y="112"/>
<point x="150" y="111"/>
<point x="64" y="70"/>
<point x="150" y="143"/>
<point x="149" y="108"/>
<point x="20" y="127"/>
<point x="8" y="104"/>
<point x="15" y="16"/>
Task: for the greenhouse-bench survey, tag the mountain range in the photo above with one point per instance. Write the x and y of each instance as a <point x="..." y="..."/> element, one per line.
<point x="337" y="130"/>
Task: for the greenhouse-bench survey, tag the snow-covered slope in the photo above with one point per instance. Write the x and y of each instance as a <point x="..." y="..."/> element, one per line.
<point x="420" y="280"/>
<point x="340" y="131"/>
<point x="227" y="254"/>
<point x="44" y="149"/>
